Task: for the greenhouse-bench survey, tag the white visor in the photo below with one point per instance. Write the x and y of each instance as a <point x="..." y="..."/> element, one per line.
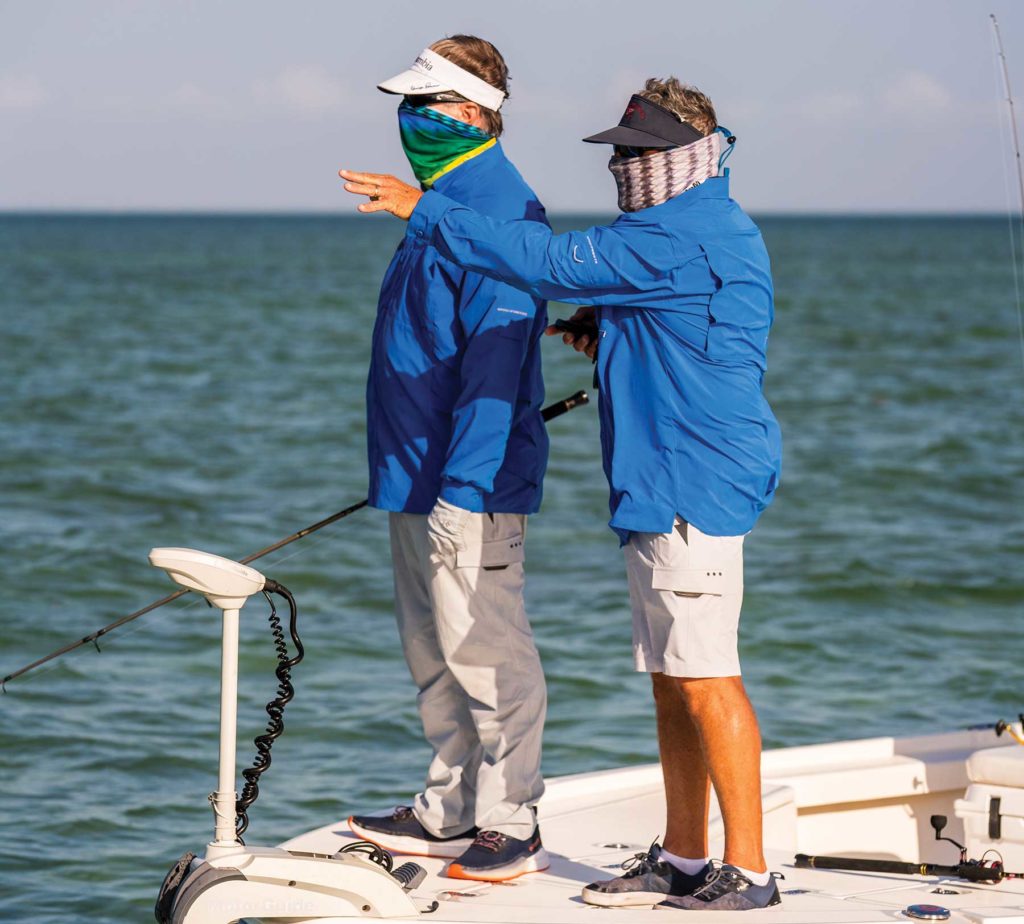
<point x="432" y="73"/>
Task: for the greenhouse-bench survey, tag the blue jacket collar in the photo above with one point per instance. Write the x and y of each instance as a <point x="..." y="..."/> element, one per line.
<point x="450" y="184"/>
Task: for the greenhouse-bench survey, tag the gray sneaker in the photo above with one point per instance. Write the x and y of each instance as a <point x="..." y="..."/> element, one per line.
<point x="647" y="881"/>
<point x="402" y="832"/>
<point x="726" y="889"/>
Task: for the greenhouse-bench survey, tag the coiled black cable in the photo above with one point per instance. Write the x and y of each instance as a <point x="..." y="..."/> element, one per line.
<point x="275" y="708"/>
<point x="371" y="851"/>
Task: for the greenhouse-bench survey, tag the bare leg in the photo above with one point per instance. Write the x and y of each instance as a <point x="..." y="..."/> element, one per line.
<point x="687" y="783"/>
<point x="715" y="712"/>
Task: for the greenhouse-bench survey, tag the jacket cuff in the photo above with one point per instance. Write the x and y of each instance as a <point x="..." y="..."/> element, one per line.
<point x="463" y="495"/>
<point x="428" y="212"/>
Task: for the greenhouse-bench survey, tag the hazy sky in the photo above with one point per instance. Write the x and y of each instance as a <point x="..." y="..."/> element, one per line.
<point x="839" y="105"/>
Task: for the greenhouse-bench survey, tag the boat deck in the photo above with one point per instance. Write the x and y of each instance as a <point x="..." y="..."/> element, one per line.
<point x="592" y="822"/>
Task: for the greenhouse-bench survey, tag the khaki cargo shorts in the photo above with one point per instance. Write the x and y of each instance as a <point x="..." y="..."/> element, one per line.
<point x="686" y="590"/>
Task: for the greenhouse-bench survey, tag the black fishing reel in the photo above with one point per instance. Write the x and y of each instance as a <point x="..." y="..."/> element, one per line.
<point x="1002" y="728"/>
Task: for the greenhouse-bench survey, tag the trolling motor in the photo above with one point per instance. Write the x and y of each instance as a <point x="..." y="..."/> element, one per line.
<point x="970" y="870"/>
<point x="234" y="881"/>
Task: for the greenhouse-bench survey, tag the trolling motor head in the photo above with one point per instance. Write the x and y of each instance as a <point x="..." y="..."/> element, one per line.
<point x="225" y="583"/>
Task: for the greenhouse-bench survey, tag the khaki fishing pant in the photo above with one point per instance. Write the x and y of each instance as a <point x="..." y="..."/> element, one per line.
<point x="470" y="650"/>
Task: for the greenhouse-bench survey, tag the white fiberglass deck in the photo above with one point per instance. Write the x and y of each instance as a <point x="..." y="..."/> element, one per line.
<point x="868" y="798"/>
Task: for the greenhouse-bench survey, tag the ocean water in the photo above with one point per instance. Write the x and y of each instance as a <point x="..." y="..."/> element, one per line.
<point x="198" y="381"/>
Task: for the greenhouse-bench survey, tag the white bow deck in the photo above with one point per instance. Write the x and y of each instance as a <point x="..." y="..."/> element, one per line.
<point x="872" y="797"/>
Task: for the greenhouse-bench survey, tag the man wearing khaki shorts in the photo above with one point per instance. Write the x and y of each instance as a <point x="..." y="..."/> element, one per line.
<point x="686" y="589"/>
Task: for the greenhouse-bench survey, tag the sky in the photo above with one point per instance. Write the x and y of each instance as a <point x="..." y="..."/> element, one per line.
<point x="224" y="105"/>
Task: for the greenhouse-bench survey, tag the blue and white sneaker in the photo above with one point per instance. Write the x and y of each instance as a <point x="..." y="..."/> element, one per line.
<point x="726" y="889"/>
<point x="648" y="880"/>
<point x="496" y="857"/>
<point x="401" y="832"/>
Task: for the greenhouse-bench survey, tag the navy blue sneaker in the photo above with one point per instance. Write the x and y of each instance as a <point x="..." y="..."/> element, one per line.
<point x="726" y="889"/>
<point x="495" y="857"/>
<point x="648" y="880"/>
<point x="402" y="832"/>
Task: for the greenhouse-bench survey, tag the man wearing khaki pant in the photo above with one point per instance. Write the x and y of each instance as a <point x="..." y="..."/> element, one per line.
<point x="457" y="452"/>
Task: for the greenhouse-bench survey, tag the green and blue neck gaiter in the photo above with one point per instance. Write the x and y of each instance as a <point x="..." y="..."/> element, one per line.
<point x="436" y="143"/>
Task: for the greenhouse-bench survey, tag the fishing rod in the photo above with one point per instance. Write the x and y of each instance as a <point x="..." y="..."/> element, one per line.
<point x="1012" y="108"/>
<point x="549" y="413"/>
<point x="972" y="870"/>
<point x="1015" y="138"/>
<point x="969" y="870"/>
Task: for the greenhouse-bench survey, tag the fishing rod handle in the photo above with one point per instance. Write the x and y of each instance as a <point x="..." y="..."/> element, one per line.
<point x="566" y="404"/>
<point x="975" y="872"/>
<point x="861" y="864"/>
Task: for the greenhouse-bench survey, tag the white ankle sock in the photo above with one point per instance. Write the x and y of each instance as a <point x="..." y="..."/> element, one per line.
<point x="759" y="879"/>
<point x="683" y="864"/>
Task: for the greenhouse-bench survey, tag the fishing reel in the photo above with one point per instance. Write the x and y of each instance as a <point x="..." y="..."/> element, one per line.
<point x="1003" y="727"/>
<point x="974" y="870"/>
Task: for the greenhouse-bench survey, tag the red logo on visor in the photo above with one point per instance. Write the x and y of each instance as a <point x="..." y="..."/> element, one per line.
<point x="635" y="109"/>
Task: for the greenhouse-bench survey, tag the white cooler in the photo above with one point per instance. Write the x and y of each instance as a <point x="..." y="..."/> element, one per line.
<point x="992" y="809"/>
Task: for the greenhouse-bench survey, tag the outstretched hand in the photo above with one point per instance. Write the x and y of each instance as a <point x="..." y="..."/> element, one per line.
<point x="386" y="193"/>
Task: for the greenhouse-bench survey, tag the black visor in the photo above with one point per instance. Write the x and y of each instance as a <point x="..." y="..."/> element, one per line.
<point x="648" y="125"/>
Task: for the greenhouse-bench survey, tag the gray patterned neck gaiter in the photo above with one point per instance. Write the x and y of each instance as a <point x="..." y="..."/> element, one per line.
<point x="655" y="178"/>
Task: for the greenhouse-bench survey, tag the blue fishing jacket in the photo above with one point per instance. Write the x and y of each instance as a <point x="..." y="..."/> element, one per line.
<point x="684" y="304"/>
<point x="455" y="391"/>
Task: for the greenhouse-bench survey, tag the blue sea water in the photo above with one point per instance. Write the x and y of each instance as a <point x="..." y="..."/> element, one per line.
<point x="199" y="381"/>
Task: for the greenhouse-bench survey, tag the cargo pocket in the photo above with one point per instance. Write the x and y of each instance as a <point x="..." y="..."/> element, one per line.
<point x="494" y="555"/>
<point x="695" y="582"/>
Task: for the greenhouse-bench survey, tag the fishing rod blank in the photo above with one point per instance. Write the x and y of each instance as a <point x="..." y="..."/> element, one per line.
<point x="1015" y="139"/>
<point x="549" y="413"/>
<point x="1014" y="135"/>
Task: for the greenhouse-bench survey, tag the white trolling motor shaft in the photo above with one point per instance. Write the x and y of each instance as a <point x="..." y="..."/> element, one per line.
<point x="227" y="585"/>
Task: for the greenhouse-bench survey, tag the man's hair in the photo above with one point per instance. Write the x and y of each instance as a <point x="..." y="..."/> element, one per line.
<point x="685" y="101"/>
<point x="483" y="60"/>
